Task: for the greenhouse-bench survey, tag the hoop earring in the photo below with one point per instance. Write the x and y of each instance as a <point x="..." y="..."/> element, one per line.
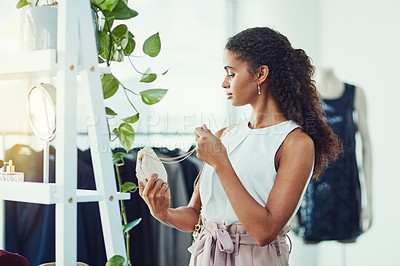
<point x="258" y="87"/>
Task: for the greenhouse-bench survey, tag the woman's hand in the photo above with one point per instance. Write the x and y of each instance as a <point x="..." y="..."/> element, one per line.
<point x="209" y="148"/>
<point x="157" y="196"/>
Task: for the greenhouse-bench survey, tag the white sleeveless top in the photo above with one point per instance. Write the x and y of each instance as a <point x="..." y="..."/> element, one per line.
<point x="252" y="155"/>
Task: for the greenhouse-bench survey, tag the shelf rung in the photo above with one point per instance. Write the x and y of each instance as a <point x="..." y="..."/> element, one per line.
<point x="123" y="196"/>
<point x="47" y="193"/>
<point x="29" y="192"/>
<point x="40" y="63"/>
<point x="35" y="64"/>
<point x="85" y="195"/>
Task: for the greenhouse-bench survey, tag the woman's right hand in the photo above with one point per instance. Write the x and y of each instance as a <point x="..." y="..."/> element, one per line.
<point x="157" y="196"/>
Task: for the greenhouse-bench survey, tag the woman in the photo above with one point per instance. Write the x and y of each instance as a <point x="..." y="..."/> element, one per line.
<point x="257" y="172"/>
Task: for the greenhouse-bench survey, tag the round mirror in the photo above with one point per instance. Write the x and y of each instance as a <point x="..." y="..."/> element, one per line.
<point x="41" y="111"/>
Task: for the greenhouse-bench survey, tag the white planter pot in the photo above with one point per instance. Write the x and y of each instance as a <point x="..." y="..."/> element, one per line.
<point x="41" y="28"/>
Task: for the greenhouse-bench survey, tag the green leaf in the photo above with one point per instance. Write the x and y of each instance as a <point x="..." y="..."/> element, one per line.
<point x="109" y="5"/>
<point x="124" y="42"/>
<point x="97" y="2"/>
<point x="118" y="157"/>
<point x="116" y="132"/>
<point x="148" y="76"/>
<point x="122" y="11"/>
<point x="118" y="55"/>
<point x="104" y="41"/>
<point x="120" y="31"/>
<point x="110" y="85"/>
<point x="22" y="3"/>
<point x="117" y="41"/>
<point x="100" y="60"/>
<point x="126" y="135"/>
<point x="130" y="35"/>
<point x="110" y="111"/>
<point x="105" y="53"/>
<point x="131" y="119"/>
<point x="166" y="71"/>
<point x="110" y="21"/>
<point x="153" y="96"/>
<point x="129" y="47"/>
<point x="129" y="187"/>
<point x="152" y="45"/>
<point x="116" y="260"/>
<point x="130" y="225"/>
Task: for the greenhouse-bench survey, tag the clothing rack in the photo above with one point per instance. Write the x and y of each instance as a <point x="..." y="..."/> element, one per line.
<point x="151" y="242"/>
<point x="9" y="133"/>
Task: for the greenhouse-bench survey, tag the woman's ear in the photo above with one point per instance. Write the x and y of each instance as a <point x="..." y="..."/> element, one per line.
<point x="262" y="73"/>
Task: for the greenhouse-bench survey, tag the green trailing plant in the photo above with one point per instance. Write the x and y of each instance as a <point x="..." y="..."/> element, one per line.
<point x="115" y="43"/>
<point x="22" y="3"/>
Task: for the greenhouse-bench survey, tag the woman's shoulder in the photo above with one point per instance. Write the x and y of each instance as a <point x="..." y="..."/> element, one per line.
<point x="296" y="154"/>
<point x="297" y="143"/>
<point x="298" y="139"/>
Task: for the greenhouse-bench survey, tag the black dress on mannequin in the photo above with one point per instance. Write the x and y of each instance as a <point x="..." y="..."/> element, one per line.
<point x="332" y="205"/>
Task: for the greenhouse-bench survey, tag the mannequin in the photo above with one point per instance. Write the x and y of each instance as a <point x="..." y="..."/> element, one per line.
<point x="333" y="208"/>
<point x="330" y="87"/>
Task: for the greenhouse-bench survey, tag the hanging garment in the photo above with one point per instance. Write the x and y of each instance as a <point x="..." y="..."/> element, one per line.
<point x="30" y="228"/>
<point x="331" y="207"/>
<point x="171" y="243"/>
<point x="153" y="243"/>
<point x="141" y="237"/>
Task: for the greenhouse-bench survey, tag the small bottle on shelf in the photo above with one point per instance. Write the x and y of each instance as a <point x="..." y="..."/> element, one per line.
<point x="10" y="175"/>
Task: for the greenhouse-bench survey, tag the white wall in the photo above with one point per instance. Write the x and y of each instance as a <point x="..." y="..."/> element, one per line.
<point x="298" y="20"/>
<point x="360" y="40"/>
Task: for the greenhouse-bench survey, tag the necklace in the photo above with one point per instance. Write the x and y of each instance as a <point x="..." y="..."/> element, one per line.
<point x="172" y="160"/>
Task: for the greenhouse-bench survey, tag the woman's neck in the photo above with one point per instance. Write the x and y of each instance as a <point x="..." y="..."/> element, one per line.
<point x="266" y="113"/>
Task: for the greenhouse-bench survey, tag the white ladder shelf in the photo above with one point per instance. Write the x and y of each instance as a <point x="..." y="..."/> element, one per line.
<point x="75" y="43"/>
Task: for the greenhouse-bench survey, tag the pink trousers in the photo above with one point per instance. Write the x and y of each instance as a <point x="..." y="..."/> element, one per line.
<point x="223" y="245"/>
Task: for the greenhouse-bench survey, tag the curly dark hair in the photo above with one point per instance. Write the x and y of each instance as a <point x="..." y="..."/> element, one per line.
<point x="290" y="84"/>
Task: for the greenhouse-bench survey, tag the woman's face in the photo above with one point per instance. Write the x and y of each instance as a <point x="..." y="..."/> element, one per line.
<point x="240" y="85"/>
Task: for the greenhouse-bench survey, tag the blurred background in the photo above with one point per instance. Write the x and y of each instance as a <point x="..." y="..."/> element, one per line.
<point x="358" y="39"/>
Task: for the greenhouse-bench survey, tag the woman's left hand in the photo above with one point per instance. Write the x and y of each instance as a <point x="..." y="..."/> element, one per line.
<point x="209" y="148"/>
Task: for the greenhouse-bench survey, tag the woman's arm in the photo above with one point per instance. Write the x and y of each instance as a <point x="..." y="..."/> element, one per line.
<point x="185" y="218"/>
<point x="295" y="160"/>
<point x="157" y="197"/>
